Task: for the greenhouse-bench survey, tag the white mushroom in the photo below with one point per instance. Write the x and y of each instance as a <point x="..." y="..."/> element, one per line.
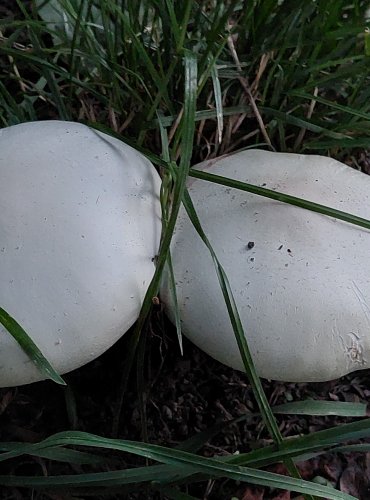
<point x="301" y="280"/>
<point x="79" y="227"/>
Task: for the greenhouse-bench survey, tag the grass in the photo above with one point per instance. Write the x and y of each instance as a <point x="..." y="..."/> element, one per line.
<point x="182" y="82"/>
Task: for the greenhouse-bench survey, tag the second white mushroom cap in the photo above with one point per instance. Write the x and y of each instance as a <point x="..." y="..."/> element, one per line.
<point x="301" y="280"/>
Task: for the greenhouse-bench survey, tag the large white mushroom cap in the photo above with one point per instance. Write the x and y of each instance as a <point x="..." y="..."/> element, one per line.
<point x="80" y="223"/>
<point x="301" y="279"/>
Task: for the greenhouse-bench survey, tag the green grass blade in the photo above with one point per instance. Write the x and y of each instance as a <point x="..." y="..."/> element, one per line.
<point x="60" y="454"/>
<point x="139" y="475"/>
<point x="218" y="101"/>
<point x="184" y="26"/>
<point x="236" y="322"/>
<point x="367" y="42"/>
<point x="306" y="444"/>
<point x="363" y="143"/>
<point x="285" y="198"/>
<point x="266" y="413"/>
<point x="310" y="407"/>
<point x="208" y="466"/>
<point x="29" y="347"/>
<point x="180" y="182"/>
<point x="301" y="123"/>
<point x="353" y="448"/>
<point x="331" y="104"/>
<point x="204" y="114"/>
<point x="165" y="203"/>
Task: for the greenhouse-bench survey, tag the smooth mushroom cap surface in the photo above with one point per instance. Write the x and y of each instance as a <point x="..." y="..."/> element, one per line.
<point x="80" y="223"/>
<point x="301" y="280"/>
